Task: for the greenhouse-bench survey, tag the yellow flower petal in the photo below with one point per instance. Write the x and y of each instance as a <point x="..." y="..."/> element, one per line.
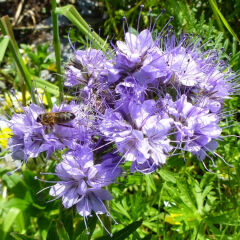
<point x="5" y="134"/>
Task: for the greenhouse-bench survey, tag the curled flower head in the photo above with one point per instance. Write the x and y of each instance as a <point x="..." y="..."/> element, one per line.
<point x="197" y="73"/>
<point x="81" y="182"/>
<point x="32" y="136"/>
<point x="89" y="71"/>
<point x="195" y="127"/>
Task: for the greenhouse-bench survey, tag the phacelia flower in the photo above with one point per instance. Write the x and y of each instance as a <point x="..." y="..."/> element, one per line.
<point x="31" y="137"/>
<point x="89" y="71"/>
<point x="141" y="137"/>
<point x="195" y="127"/>
<point x="81" y="182"/>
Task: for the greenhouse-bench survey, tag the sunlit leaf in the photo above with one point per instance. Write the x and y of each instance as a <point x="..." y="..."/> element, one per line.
<point x="70" y="12"/>
<point x="224" y="21"/>
<point x="9" y="219"/>
<point x="3" y="46"/>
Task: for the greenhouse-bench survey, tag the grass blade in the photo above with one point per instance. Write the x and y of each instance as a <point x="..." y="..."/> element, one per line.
<point x="61" y="231"/>
<point x="224" y="21"/>
<point x="57" y="47"/>
<point x="3" y="46"/>
<point x="71" y="13"/>
<point x="47" y="86"/>
<point x="25" y="74"/>
<point x="6" y="28"/>
<point x="124" y="233"/>
<point x="9" y="220"/>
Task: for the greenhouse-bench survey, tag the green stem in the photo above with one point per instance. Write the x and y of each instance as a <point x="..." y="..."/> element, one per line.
<point x="57" y="47"/>
<point x="49" y="100"/>
<point x="23" y="90"/>
<point x="111" y="17"/>
<point x="220" y="25"/>
<point x="6" y="28"/>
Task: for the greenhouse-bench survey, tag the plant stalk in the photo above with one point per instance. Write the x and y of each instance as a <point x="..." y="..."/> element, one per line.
<point x="57" y="48"/>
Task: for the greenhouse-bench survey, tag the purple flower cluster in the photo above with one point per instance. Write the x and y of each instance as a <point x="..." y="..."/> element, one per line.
<point x="147" y="99"/>
<point x="81" y="182"/>
<point x="31" y="137"/>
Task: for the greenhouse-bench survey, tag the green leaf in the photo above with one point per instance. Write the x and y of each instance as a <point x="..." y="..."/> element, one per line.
<point x="224" y="21"/>
<point x="16" y="184"/>
<point x="17" y="203"/>
<point x="52" y="232"/>
<point x="49" y="87"/>
<point x="150" y="184"/>
<point x="44" y="225"/>
<point x="148" y="237"/>
<point x="19" y="236"/>
<point x="186" y="195"/>
<point x="229" y="218"/>
<point x="67" y="219"/>
<point x="124" y="233"/>
<point x="20" y="222"/>
<point x="82" y="236"/>
<point x="70" y="12"/>
<point x="61" y="231"/>
<point x="9" y="219"/>
<point x="121" y="209"/>
<point x="91" y="224"/>
<point x="6" y="28"/>
<point x="57" y="46"/>
<point x="80" y="227"/>
<point x="3" y="46"/>
<point x="167" y="175"/>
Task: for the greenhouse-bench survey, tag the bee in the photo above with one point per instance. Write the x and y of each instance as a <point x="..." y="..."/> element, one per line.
<point x="52" y="118"/>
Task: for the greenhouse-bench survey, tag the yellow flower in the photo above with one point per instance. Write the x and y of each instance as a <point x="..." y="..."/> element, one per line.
<point x="12" y="102"/>
<point x="52" y="67"/>
<point x="171" y="219"/>
<point x="5" y="134"/>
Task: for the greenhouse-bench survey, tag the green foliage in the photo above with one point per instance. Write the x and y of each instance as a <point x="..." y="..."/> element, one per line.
<point x="3" y="46"/>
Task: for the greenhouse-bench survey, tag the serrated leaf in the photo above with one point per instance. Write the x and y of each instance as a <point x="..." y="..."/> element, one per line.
<point x="120" y="208"/>
<point x="226" y="218"/>
<point x="168" y="176"/>
<point x="185" y="195"/>
<point x="150" y="184"/>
